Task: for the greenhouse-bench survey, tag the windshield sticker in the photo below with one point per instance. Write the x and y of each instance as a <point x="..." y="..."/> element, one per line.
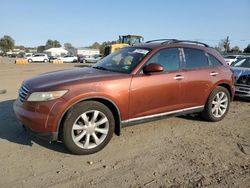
<point x="141" y="51"/>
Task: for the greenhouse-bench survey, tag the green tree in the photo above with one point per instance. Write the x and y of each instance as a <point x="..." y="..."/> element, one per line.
<point x="235" y="49"/>
<point x="40" y="49"/>
<point x="49" y="44"/>
<point x="57" y="44"/>
<point x="68" y="45"/>
<point x="95" y="45"/>
<point x="70" y="48"/>
<point x="6" y="43"/>
<point x="52" y="44"/>
<point x="247" y="49"/>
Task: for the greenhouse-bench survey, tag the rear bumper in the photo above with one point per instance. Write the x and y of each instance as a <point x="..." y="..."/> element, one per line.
<point x="242" y="91"/>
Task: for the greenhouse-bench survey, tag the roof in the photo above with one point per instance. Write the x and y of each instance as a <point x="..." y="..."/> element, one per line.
<point x="61" y="50"/>
<point x="85" y="48"/>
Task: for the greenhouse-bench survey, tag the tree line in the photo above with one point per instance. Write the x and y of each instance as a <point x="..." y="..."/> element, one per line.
<point x="224" y="47"/>
<point x="7" y="43"/>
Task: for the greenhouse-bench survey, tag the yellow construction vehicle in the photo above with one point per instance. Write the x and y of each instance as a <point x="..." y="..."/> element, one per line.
<point x="124" y="40"/>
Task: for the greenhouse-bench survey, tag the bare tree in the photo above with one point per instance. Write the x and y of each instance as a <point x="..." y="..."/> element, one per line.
<point x="224" y="44"/>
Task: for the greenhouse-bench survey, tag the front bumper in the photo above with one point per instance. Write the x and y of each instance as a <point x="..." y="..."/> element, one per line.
<point x="242" y="91"/>
<point x="39" y="118"/>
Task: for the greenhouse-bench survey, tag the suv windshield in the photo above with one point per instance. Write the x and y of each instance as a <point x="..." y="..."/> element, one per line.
<point x="123" y="60"/>
<point x="243" y="62"/>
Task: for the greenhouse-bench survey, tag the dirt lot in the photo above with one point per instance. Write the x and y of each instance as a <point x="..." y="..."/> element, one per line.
<point x="175" y="152"/>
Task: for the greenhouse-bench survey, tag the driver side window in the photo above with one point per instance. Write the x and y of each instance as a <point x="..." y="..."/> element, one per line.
<point x="168" y="58"/>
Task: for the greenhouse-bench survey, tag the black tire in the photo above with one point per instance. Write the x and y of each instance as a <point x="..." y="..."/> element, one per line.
<point x="45" y="60"/>
<point x="207" y="113"/>
<point x="71" y="118"/>
<point x="30" y="60"/>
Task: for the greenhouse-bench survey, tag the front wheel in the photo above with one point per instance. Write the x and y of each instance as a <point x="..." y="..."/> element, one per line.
<point x="88" y="128"/>
<point x="217" y="104"/>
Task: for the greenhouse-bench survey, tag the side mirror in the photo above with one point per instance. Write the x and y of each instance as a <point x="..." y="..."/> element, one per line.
<point x="153" y="67"/>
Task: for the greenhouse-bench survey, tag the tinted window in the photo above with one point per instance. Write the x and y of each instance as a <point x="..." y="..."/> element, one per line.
<point x="195" y="58"/>
<point x="214" y="61"/>
<point x="168" y="58"/>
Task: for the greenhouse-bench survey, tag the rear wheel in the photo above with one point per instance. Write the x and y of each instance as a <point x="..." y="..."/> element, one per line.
<point x="88" y="128"/>
<point x="217" y="104"/>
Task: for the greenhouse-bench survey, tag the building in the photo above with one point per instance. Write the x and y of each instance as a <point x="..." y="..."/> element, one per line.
<point x="15" y="51"/>
<point x="87" y="51"/>
<point x="56" y="52"/>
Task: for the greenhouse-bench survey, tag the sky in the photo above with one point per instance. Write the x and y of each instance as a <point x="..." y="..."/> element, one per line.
<point x="83" y="22"/>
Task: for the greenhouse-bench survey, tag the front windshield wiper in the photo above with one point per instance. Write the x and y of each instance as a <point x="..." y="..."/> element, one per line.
<point x="99" y="67"/>
<point x="103" y="68"/>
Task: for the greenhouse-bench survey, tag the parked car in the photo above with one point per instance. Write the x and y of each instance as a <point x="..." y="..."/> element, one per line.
<point x="83" y="107"/>
<point x="92" y="59"/>
<point x="39" y="57"/>
<point x="51" y="58"/>
<point x="82" y="58"/>
<point x="12" y="55"/>
<point x="241" y="69"/>
<point x="232" y="58"/>
<point x="68" y="58"/>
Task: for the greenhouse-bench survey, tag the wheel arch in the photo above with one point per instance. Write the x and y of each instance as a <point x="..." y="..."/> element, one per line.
<point x="109" y="103"/>
<point x="228" y="87"/>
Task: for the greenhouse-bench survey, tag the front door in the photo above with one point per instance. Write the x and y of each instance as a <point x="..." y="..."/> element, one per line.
<point x="158" y="92"/>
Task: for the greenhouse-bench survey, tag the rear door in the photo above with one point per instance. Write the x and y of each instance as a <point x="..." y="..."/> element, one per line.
<point x="35" y="57"/>
<point x="199" y="77"/>
<point x="158" y="92"/>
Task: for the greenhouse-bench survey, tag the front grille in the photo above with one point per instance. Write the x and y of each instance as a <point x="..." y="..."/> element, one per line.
<point x="23" y="93"/>
<point x="244" y="80"/>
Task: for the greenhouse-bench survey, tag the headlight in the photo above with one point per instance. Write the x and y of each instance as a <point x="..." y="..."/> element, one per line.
<point x="46" y="96"/>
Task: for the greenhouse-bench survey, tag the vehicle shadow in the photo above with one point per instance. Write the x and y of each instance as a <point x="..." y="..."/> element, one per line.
<point x="192" y="117"/>
<point x="12" y="130"/>
<point x="197" y="117"/>
<point x="241" y="99"/>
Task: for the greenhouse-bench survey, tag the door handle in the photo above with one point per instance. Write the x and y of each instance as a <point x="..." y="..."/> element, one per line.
<point x="214" y="73"/>
<point x="178" y="77"/>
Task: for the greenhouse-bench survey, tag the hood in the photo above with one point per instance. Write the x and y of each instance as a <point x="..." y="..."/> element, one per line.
<point x="240" y="71"/>
<point x="59" y="78"/>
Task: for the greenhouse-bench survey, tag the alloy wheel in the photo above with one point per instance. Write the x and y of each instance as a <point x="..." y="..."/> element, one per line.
<point x="90" y="129"/>
<point x="219" y="104"/>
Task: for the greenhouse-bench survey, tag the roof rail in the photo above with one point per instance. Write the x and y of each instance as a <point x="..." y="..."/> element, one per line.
<point x="190" y="42"/>
<point x="172" y="41"/>
<point x="158" y="40"/>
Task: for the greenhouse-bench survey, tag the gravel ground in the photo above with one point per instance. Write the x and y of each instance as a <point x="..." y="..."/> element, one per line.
<point x="176" y="152"/>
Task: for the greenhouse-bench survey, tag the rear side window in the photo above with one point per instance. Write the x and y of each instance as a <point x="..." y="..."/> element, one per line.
<point x="195" y="58"/>
<point x="168" y="58"/>
<point x="214" y="61"/>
